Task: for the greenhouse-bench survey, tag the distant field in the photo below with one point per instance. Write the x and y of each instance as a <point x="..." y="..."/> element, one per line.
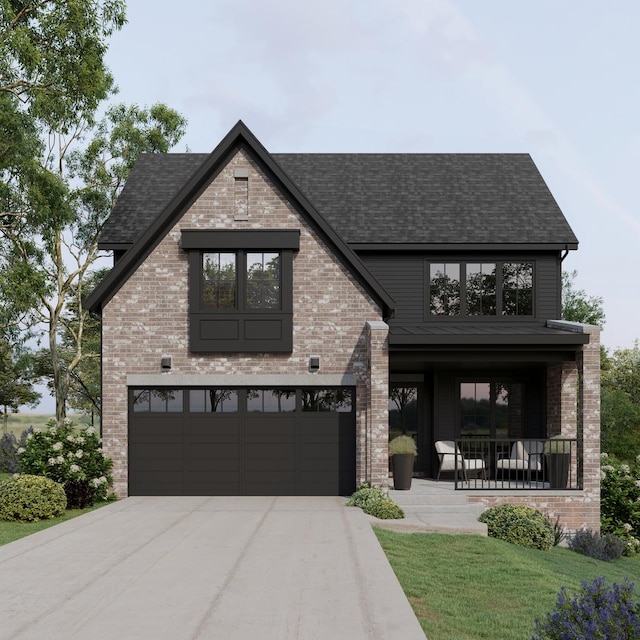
<point x="18" y="422"/>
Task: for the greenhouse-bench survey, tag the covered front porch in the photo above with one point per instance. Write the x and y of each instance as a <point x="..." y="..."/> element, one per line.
<point x="521" y="420"/>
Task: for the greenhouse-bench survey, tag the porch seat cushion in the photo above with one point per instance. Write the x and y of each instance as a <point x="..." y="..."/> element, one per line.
<point x="525" y="455"/>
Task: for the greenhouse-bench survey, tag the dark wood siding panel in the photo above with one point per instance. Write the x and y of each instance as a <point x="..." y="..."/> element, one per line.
<point x="445" y="406"/>
<point x="403" y="278"/>
<point x="548" y="289"/>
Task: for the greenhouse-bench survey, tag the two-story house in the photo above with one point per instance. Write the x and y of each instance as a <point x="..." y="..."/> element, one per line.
<point x="271" y="318"/>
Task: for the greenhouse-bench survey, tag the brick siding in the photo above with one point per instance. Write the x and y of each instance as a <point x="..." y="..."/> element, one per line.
<point x="148" y="318"/>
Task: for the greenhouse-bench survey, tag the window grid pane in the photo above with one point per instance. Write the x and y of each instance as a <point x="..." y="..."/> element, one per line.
<point x="263" y="281"/>
<point x="517" y="289"/>
<point x="219" y="280"/>
<point x="444" y="289"/>
<point x="481" y="289"/>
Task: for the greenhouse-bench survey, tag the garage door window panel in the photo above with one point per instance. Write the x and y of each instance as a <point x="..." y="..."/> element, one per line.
<point x="213" y="400"/>
<point x="327" y="400"/>
<point x="271" y="400"/>
<point x="157" y="400"/>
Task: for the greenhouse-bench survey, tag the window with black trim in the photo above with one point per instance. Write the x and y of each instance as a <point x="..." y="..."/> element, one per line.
<point x="253" y="275"/>
<point x="493" y="408"/>
<point x="241" y="290"/>
<point x="213" y="400"/>
<point x="480" y="289"/>
<point x="157" y="400"/>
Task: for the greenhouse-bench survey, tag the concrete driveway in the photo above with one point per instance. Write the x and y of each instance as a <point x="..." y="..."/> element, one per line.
<point x="190" y="568"/>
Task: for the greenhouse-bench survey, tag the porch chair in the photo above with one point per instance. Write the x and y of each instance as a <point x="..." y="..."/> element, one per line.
<point x="526" y="456"/>
<point x="447" y="454"/>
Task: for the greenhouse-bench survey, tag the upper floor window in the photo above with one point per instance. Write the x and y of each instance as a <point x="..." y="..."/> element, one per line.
<point x="241" y="289"/>
<point x="480" y="289"/>
<point x="259" y="284"/>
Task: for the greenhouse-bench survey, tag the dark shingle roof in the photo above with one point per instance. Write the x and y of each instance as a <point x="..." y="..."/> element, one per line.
<point x="381" y="198"/>
<point x="154" y="179"/>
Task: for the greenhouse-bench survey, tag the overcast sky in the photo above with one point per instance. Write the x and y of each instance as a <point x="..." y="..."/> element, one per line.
<point x="554" y="78"/>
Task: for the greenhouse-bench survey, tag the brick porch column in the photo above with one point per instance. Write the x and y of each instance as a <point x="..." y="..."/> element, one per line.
<point x="562" y="390"/>
<point x="589" y="424"/>
<point x="376" y="467"/>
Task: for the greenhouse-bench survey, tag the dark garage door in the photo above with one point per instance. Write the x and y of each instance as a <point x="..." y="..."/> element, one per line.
<point x="242" y="441"/>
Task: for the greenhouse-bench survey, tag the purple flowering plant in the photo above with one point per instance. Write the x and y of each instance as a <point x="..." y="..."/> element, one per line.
<point x="596" y="612"/>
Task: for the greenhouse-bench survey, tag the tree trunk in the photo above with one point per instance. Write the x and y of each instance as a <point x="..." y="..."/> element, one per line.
<point x="60" y="374"/>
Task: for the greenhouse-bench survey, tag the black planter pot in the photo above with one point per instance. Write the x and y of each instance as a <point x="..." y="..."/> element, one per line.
<point x="557" y="467"/>
<point x="402" y="464"/>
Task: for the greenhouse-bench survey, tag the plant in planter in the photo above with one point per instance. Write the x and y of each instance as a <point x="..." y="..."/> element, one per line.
<point x="557" y="460"/>
<point x="403" y="451"/>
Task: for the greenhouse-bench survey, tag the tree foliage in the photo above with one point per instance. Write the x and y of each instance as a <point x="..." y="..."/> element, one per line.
<point x="577" y="305"/>
<point x="52" y="79"/>
<point x="620" y="393"/>
<point x="52" y="57"/>
<point x="16" y="380"/>
<point x="60" y="170"/>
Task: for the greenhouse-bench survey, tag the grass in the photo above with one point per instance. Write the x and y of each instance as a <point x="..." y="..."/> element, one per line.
<point x="10" y="531"/>
<point x="471" y="588"/>
<point x="18" y="422"/>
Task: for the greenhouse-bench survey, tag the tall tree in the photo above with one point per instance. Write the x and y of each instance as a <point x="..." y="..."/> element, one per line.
<point x="93" y="176"/>
<point x="52" y="79"/>
<point x="60" y="171"/>
<point x="577" y="305"/>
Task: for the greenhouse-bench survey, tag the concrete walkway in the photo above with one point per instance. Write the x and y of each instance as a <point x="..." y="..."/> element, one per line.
<point x="194" y="568"/>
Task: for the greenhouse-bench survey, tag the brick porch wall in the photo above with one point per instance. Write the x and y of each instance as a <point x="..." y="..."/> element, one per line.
<point x="148" y="317"/>
<point x="574" y="410"/>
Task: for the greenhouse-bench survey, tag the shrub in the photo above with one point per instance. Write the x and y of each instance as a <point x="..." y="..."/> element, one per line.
<point x="519" y="524"/>
<point x="80" y="494"/>
<point x="602" y="547"/>
<point x="30" y="498"/>
<point x="9" y="454"/>
<point x="620" y="501"/>
<point x="595" y="612"/>
<point x="559" y="533"/>
<point x="402" y="444"/>
<point x="386" y="509"/>
<point x="375" y="502"/>
<point x="65" y="453"/>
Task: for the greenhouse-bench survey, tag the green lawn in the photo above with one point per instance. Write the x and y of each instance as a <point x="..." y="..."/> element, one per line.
<point x="470" y="587"/>
<point x="10" y="531"/>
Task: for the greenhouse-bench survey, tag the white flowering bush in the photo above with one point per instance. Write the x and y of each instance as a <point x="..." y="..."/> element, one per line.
<point x="620" y="501"/>
<point x="69" y="455"/>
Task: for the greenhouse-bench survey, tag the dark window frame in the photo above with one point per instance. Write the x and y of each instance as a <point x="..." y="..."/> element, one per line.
<point x="493" y="381"/>
<point x="464" y="315"/>
<point x="241" y="329"/>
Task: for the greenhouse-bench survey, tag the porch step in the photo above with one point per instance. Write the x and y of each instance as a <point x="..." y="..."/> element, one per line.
<point x="432" y="497"/>
<point x="430" y="507"/>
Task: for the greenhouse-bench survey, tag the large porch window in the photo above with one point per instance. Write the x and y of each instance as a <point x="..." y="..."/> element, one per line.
<point x="491" y="408"/>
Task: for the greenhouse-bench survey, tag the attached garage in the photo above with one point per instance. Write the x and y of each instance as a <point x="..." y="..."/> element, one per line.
<point x="242" y="441"/>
